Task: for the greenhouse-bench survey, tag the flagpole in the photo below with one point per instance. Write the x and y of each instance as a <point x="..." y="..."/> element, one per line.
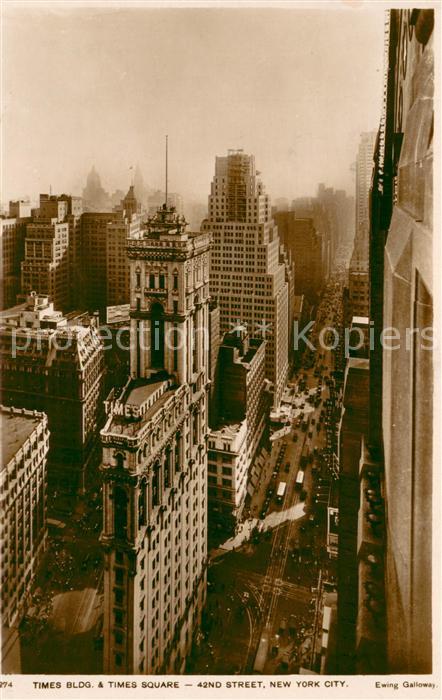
<point x="166" y="167"/>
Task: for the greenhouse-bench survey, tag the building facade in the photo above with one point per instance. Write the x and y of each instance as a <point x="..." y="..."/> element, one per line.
<point x="46" y="268"/>
<point x="94" y="257"/>
<point x="407" y="374"/>
<point x="352" y="431"/>
<point x="214" y="345"/>
<point x="301" y="240"/>
<point x="286" y="258"/>
<point x="118" y="273"/>
<point x="228" y="469"/>
<point x="242" y="408"/>
<point x="155" y="457"/>
<point x="358" y="276"/>
<point x="12" y="252"/>
<point x="247" y="276"/>
<point x="105" y="266"/>
<point x="25" y="444"/>
<point x="241" y="386"/>
<point x="52" y="366"/>
<point x="387" y="505"/>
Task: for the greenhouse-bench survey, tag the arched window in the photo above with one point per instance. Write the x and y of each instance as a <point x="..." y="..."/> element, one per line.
<point x="178" y="452"/>
<point x="175" y="279"/>
<point x="157" y="335"/>
<point x="142" y="504"/>
<point x="120" y="460"/>
<point x="167" y="469"/>
<point x="156" y="485"/>
<point x="195" y="426"/>
<point x="195" y="344"/>
<point x="120" y="512"/>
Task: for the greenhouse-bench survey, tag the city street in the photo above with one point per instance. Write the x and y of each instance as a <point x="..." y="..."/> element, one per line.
<point x="269" y="574"/>
<point x="65" y="639"/>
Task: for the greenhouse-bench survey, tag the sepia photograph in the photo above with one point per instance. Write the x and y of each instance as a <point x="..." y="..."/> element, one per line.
<point x="218" y="344"/>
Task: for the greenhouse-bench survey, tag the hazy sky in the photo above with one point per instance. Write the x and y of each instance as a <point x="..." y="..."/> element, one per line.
<point x="103" y="85"/>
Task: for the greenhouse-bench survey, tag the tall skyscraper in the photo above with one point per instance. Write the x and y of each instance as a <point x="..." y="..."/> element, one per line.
<point x="155" y="456"/>
<point x="46" y="267"/>
<point x="301" y="239"/>
<point x="247" y="276"/>
<point x="358" y="273"/>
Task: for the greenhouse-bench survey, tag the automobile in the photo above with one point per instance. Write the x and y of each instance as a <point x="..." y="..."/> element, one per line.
<point x="282" y="625"/>
<point x="287" y="467"/>
<point x="310" y="434"/>
<point x="270" y="491"/>
<point x="303" y="495"/>
<point x="313" y="421"/>
<point x="245" y="597"/>
<point x="295" y="437"/>
<point x="275" y="645"/>
<point x="285" y="661"/>
<point x="318" y="427"/>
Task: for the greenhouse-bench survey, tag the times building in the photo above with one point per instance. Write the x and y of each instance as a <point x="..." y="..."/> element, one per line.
<point x="154" y="464"/>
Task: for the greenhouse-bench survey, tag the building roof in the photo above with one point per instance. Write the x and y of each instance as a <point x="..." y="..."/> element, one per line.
<point x="137" y="395"/>
<point x="234" y="433"/>
<point x="16" y="427"/>
<point x="148" y="395"/>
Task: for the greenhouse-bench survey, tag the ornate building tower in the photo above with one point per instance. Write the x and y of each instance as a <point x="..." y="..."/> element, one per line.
<point x="155" y="456"/>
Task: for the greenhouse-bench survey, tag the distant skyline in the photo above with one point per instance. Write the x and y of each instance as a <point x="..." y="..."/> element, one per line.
<point x="102" y="86"/>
